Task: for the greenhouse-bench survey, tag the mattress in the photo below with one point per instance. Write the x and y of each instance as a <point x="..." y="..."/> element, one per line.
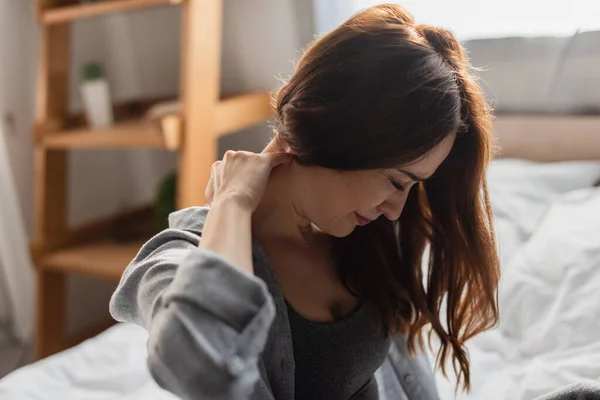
<point x="548" y="225"/>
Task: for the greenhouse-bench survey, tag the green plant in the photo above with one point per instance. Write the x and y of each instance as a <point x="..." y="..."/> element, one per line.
<point x="165" y="201"/>
<point x="92" y="71"/>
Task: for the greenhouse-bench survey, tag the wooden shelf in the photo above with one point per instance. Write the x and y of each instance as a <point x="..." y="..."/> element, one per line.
<point x="104" y="259"/>
<point x="232" y="114"/>
<point x="59" y="15"/>
<point x="132" y="134"/>
<point x="238" y="112"/>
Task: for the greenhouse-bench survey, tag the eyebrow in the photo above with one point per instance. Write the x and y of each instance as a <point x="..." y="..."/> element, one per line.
<point x="414" y="177"/>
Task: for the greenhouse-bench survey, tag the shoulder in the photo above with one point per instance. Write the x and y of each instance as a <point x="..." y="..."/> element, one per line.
<point x="190" y="219"/>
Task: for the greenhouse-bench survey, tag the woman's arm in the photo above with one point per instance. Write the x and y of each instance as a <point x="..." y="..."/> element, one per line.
<point x="208" y="318"/>
<point x="227" y="231"/>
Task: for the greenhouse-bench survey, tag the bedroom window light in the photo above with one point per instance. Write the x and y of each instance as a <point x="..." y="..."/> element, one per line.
<point x="474" y="19"/>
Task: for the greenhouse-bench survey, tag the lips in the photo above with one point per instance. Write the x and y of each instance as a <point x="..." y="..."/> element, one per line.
<point x="362" y="221"/>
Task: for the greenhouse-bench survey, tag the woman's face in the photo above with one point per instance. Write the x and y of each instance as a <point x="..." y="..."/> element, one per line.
<point x="338" y="201"/>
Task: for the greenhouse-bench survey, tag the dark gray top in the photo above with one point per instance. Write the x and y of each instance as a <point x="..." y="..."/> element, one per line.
<point x="219" y="333"/>
<point x="337" y="360"/>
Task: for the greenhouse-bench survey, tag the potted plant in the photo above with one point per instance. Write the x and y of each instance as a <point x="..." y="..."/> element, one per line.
<point x="96" y="96"/>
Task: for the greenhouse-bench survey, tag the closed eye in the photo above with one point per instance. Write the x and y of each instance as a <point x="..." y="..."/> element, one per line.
<point x="397" y="185"/>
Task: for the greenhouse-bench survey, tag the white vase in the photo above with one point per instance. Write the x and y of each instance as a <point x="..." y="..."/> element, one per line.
<point x="96" y="100"/>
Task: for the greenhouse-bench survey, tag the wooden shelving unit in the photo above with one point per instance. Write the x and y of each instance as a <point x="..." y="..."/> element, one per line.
<point x="132" y="134"/>
<point x="58" y="15"/>
<point x="103" y="258"/>
<point x="231" y="114"/>
<point x="202" y="116"/>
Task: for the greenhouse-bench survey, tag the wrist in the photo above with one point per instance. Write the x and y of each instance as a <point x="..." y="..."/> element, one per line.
<point x="236" y="201"/>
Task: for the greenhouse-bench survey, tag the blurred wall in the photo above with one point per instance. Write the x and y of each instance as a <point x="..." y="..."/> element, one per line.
<point x="141" y="52"/>
<point x="16" y="113"/>
<point x="17" y="94"/>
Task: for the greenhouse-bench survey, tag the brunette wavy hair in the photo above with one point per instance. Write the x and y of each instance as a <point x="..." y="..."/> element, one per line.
<point x="381" y="91"/>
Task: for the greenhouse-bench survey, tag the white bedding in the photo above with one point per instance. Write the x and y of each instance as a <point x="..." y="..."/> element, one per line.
<point x="109" y="366"/>
<point x="549" y="235"/>
<point x="548" y="222"/>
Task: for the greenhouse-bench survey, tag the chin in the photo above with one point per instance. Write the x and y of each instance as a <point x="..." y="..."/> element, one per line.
<point x="339" y="234"/>
<point x="338" y="231"/>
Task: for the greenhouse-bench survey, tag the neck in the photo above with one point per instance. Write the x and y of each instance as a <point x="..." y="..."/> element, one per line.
<point x="278" y="215"/>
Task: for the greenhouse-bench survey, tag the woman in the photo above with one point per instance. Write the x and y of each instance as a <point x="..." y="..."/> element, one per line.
<point x="308" y="282"/>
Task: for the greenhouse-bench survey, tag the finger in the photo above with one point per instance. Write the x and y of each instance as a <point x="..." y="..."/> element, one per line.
<point x="208" y="193"/>
<point x="214" y="170"/>
<point x="210" y="187"/>
<point x="275" y="159"/>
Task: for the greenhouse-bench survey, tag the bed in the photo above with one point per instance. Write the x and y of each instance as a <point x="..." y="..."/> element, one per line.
<point x="548" y="226"/>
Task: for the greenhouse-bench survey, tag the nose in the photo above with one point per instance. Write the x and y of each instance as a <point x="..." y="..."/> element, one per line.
<point x="392" y="206"/>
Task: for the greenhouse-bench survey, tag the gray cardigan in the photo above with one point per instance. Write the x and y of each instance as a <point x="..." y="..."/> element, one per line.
<point x="219" y="333"/>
